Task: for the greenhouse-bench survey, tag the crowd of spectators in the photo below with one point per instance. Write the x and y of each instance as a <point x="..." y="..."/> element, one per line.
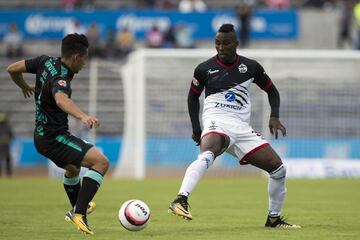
<point x="120" y="42"/>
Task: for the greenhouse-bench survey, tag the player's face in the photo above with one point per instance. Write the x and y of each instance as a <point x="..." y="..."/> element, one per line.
<point x="225" y="44"/>
<point x="79" y="61"/>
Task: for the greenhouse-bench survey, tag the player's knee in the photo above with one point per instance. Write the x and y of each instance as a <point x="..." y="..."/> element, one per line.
<point x="72" y="171"/>
<point x="208" y="157"/>
<point x="103" y="164"/>
<point x="279" y="173"/>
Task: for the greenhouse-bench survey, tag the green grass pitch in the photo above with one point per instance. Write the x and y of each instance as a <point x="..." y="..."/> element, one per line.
<point x="222" y="209"/>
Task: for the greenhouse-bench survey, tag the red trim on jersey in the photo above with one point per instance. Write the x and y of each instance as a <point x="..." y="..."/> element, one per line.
<point x="266" y="88"/>
<point x="243" y="160"/>
<point x="197" y="91"/>
<point x="228" y="66"/>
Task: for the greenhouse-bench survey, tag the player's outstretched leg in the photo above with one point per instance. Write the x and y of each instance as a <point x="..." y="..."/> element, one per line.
<point x="192" y="176"/>
<point x="180" y="207"/>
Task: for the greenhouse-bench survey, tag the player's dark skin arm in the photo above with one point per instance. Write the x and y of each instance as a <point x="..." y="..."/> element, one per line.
<point x="274" y="122"/>
<point x="194" y="110"/>
<point x="16" y="71"/>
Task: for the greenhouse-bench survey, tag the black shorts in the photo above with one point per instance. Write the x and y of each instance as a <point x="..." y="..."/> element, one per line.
<point x="62" y="148"/>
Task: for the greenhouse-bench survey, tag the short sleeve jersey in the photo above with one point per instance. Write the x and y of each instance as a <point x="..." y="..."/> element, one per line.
<point x="52" y="76"/>
<point x="227" y="86"/>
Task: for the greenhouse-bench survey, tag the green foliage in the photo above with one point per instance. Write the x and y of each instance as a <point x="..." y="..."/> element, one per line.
<point x="222" y="209"/>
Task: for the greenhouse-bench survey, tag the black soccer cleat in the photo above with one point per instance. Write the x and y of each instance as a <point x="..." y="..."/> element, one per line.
<point x="279" y="222"/>
<point x="180" y="207"/>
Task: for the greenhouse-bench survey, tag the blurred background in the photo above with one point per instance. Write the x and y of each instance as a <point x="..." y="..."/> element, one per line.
<point x="142" y="57"/>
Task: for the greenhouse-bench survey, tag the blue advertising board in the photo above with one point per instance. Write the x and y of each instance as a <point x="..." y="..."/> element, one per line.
<point x="50" y="24"/>
<point x="165" y="151"/>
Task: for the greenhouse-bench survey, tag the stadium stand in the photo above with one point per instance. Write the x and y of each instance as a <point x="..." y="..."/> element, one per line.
<point x="211" y="4"/>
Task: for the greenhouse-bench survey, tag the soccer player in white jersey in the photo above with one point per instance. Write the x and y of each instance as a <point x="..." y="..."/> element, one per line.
<point x="226" y="79"/>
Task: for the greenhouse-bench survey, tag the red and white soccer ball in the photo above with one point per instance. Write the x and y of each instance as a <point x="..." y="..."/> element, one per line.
<point x="134" y="215"/>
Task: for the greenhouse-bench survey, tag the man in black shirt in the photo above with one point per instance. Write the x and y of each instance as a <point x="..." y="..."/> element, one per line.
<point x="51" y="136"/>
<point x="226" y="79"/>
<point x="6" y="136"/>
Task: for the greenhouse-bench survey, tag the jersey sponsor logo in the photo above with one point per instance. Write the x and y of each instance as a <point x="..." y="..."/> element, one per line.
<point x="212" y="71"/>
<point x="229" y="106"/>
<point x="62" y="83"/>
<point x="242" y="68"/>
<point x="195" y="82"/>
<point x="213" y="126"/>
<point x="230" y="96"/>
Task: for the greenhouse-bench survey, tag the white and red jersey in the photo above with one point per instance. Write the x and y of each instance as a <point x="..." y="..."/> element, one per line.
<point x="227" y="87"/>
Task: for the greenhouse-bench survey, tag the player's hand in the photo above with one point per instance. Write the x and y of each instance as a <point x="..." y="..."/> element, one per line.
<point x="196" y="136"/>
<point x="28" y="91"/>
<point x="90" y="122"/>
<point x="275" y="125"/>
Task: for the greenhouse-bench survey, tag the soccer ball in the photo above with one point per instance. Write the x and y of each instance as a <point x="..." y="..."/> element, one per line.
<point x="134" y="215"/>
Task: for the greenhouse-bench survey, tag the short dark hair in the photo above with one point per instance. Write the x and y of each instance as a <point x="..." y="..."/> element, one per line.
<point x="74" y="43"/>
<point x="227" y="27"/>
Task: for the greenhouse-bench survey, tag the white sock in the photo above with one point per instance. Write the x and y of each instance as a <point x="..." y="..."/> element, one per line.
<point x="195" y="171"/>
<point x="277" y="190"/>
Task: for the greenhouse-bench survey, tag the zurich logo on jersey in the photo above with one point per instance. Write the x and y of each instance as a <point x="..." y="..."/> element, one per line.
<point x="230" y="96"/>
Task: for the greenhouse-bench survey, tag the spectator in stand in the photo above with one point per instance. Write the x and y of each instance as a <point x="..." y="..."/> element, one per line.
<point x="244" y="12"/>
<point x="154" y="38"/>
<point x="110" y="43"/>
<point x="126" y="41"/>
<point x="145" y="3"/>
<point x="166" y="4"/>
<point x="169" y="38"/>
<point x="357" y="17"/>
<point x="187" y="6"/>
<point x="184" y="37"/>
<point x="5" y="142"/>
<point x="86" y="4"/>
<point x="69" y="4"/>
<point x="74" y="26"/>
<point x="345" y="23"/>
<point x="13" y="40"/>
<point x="94" y="39"/>
<point x="278" y="4"/>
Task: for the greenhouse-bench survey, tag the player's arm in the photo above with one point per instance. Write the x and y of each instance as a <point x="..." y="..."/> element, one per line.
<point x="274" y="122"/>
<point x="197" y="86"/>
<point x="265" y="83"/>
<point x="16" y="71"/>
<point x="68" y="106"/>
<point x="194" y="110"/>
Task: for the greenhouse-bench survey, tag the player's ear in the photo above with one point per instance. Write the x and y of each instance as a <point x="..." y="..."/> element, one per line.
<point x="76" y="57"/>
<point x="73" y="58"/>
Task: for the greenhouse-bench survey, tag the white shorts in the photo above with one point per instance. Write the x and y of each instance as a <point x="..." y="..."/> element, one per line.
<point x="243" y="139"/>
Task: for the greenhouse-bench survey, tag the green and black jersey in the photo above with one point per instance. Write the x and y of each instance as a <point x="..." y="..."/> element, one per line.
<point x="52" y="76"/>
